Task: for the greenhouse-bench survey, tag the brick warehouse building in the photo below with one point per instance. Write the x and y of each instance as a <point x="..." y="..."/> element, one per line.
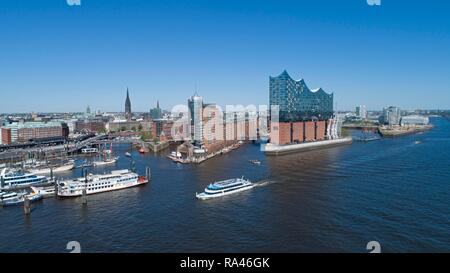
<point x="33" y="131"/>
<point x="304" y="114"/>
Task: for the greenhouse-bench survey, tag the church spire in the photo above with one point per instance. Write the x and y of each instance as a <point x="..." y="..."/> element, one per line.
<point x="128" y="106"/>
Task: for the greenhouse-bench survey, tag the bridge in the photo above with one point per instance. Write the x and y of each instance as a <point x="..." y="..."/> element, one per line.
<point x="104" y="139"/>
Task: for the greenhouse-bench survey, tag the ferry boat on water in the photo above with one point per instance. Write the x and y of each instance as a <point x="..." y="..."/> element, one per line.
<point x="116" y="180"/>
<point x="11" y="179"/>
<point x="225" y="187"/>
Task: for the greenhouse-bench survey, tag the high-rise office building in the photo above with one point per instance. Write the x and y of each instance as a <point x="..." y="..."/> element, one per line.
<point x="195" y="104"/>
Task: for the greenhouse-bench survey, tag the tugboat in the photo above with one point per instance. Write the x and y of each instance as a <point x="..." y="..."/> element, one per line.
<point x="225" y="187"/>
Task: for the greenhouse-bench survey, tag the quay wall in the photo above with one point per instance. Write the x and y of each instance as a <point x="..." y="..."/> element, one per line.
<point x="273" y="149"/>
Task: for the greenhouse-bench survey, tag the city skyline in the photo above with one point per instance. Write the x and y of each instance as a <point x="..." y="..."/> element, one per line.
<point x="87" y="55"/>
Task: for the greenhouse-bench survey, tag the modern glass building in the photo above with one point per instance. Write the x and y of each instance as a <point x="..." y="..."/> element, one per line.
<point x="195" y="104"/>
<point x="391" y="116"/>
<point x="297" y="102"/>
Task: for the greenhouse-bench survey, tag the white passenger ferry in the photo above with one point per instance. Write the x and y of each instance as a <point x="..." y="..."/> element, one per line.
<point x="116" y="180"/>
<point x="11" y="178"/>
<point x="226" y="187"/>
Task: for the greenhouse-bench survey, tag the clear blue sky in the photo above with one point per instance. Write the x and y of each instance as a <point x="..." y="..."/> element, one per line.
<point x="55" y="57"/>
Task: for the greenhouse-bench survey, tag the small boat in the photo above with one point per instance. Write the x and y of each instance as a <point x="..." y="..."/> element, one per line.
<point x="86" y="165"/>
<point x="45" y="191"/>
<point x="225" y="187"/>
<point x="417" y="142"/>
<point x="255" y="161"/>
<point x="105" y="162"/>
<point x="127" y="154"/>
<point x="142" y="151"/>
<point x="14" y="199"/>
<point x="10" y="196"/>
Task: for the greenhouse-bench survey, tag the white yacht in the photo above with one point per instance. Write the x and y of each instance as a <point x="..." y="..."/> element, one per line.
<point x="11" y="178"/>
<point x="226" y="187"/>
<point x="116" y="180"/>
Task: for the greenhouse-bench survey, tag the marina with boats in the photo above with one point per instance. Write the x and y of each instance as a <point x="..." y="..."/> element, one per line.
<point x="33" y="180"/>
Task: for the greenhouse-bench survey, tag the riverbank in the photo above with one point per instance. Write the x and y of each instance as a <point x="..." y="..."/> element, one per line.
<point x="360" y="126"/>
<point x="403" y="131"/>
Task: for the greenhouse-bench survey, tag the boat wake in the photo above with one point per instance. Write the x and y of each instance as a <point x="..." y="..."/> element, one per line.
<point x="264" y="182"/>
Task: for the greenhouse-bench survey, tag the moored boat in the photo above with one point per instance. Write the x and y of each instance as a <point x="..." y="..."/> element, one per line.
<point x="70" y="165"/>
<point x="45" y="192"/>
<point x="17" y="178"/>
<point x="14" y="198"/>
<point x="105" y="162"/>
<point x="92" y="184"/>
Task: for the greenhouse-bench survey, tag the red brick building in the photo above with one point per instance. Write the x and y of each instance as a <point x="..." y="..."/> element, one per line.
<point x="90" y="126"/>
<point x="283" y="133"/>
<point x="6" y="136"/>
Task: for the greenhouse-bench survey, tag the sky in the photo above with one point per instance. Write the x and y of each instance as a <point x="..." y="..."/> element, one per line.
<point x="60" y="58"/>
